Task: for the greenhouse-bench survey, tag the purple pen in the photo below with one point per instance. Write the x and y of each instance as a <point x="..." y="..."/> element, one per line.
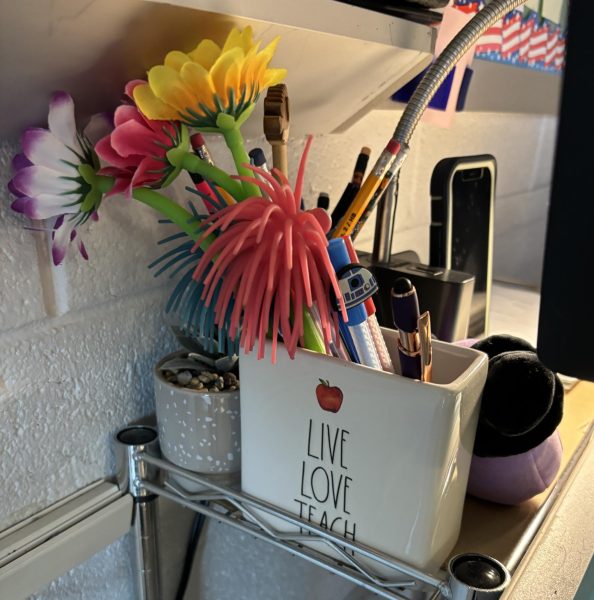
<point x="413" y="334"/>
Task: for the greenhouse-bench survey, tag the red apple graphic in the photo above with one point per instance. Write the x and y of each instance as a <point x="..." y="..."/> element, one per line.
<point x="329" y="398"/>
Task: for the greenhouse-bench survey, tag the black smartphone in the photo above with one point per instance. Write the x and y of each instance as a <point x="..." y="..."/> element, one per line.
<point x="461" y="236"/>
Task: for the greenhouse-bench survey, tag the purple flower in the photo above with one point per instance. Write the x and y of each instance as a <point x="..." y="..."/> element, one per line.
<point x="55" y="176"/>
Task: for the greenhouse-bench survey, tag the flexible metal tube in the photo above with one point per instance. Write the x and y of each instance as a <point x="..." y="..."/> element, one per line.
<point x="384" y="224"/>
<point x="421" y="97"/>
<point x="445" y="62"/>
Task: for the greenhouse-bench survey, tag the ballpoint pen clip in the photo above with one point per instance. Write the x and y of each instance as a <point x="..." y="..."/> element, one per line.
<point x="426" y="350"/>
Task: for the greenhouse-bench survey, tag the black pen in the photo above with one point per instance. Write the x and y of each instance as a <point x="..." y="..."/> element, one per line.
<point x="352" y="186"/>
<point x="414" y="331"/>
<point x="258" y="159"/>
<point x="323" y="201"/>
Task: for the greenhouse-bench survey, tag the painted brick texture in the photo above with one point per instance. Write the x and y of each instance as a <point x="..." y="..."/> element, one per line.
<point x="77" y="343"/>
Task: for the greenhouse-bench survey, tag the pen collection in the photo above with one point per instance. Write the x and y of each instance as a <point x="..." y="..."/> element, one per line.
<point x="251" y="262"/>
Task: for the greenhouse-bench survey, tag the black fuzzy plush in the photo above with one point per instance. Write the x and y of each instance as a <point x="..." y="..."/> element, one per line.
<point x="496" y="344"/>
<point x="522" y="400"/>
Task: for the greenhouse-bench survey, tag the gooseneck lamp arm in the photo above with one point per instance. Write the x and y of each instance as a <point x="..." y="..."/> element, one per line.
<point x="433" y="78"/>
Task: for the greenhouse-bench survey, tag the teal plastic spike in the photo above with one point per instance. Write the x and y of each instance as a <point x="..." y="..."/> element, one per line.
<point x="185" y="247"/>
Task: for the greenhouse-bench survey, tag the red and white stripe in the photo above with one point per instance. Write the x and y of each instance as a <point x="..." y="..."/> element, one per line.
<point x="559" y="58"/>
<point x="491" y="40"/>
<point x="525" y="35"/>
<point x="538" y="43"/>
<point x="510" y="42"/>
<point x="552" y="41"/>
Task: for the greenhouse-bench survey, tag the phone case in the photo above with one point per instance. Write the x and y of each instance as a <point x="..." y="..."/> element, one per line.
<point x="472" y="255"/>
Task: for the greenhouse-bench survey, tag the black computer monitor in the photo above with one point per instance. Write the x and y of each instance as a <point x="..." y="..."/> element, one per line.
<point x="566" y="319"/>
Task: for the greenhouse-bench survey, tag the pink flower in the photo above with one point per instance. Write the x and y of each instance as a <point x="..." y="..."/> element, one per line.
<point x="136" y="150"/>
<point x="271" y="260"/>
<point x="55" y="177"/>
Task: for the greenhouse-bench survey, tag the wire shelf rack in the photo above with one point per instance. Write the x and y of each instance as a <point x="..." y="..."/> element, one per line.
<point x="251" y="515"/>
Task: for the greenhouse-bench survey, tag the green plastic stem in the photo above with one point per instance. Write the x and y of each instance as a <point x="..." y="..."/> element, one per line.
<point x="172" y="211"/>
<point x="192" y="163"/>
<point x="234" y="141"/>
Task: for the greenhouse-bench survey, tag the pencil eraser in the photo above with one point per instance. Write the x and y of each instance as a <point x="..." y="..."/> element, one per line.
<point x="197" y="140"/>
<point x="393" y="146"/>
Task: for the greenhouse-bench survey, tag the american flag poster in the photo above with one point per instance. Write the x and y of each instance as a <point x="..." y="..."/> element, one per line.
<point x="559" y="60"/>
<point x="510" y="43"/>
<point x="555" y="48"/>
<point x="489" y="44"/>
<point x="538" y="45"/>
<point x="526" y="27"/>
<point x="468" y="6"/>
<point x="521" y="38"/>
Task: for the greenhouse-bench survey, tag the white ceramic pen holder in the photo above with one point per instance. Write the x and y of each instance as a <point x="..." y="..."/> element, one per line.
<point x="372" y="456"/>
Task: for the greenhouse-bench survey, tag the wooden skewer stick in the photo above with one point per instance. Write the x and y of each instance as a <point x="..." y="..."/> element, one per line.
<point x="276" y="125"/>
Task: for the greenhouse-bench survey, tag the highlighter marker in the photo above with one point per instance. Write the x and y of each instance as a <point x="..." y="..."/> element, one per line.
<point x="348" y="222"/>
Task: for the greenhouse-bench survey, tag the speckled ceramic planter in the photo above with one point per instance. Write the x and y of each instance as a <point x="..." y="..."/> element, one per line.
<point x="199" y="431"/>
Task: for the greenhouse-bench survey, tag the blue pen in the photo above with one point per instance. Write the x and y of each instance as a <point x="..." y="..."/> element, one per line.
<point x="357" y="327"/>
<point x="347" y="340"/>
<point x="414" y="331"/>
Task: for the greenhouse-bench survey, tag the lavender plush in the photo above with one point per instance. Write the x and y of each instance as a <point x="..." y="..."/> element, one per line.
<point x="517" y="450"/>
<point x="515" y="479"/>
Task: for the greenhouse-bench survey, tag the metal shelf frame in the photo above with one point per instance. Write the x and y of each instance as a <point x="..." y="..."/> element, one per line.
<point x="146" y="476"/>
<point x="241" y="511"/>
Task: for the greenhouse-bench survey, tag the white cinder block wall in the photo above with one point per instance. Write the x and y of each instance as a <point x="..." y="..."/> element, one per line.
<point x="77" y="343"/>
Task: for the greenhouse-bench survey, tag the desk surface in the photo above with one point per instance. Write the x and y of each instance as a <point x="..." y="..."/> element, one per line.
<point x="556" y="561"/>
<point x="554" y="570"/>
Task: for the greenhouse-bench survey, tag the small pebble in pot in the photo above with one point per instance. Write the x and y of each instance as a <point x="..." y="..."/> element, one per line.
<point x="202" y="380"/>
<point x="229" y="379"/>
<point x="184" y="377"/>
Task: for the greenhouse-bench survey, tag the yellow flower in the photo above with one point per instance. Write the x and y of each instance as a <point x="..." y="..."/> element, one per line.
<point x="196" y="87"/>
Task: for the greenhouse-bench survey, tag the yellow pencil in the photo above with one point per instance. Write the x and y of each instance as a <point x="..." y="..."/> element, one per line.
<point x="375" y="198"/>
<point x="227" y="197"/>
<point x="355" y="211"/>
